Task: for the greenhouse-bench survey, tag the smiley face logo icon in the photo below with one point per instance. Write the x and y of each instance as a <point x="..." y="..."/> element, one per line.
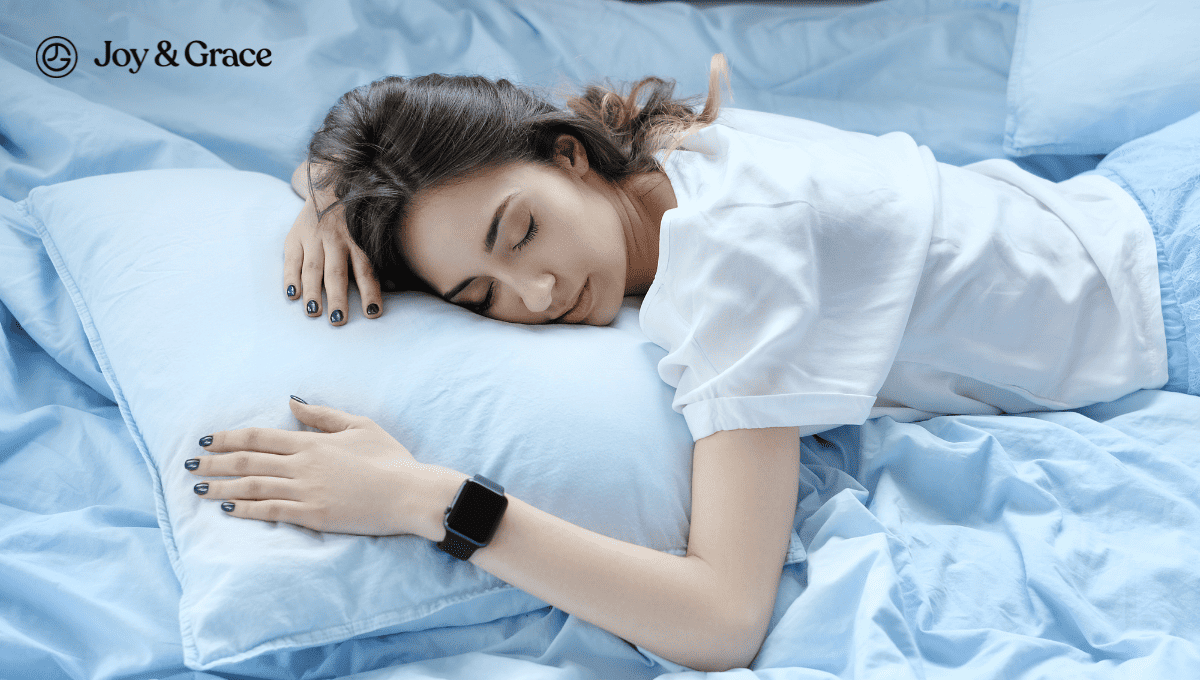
<point x="56" y="56"/>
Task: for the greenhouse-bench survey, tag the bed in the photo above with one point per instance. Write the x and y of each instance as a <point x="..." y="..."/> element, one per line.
<point x="146" y="149"/>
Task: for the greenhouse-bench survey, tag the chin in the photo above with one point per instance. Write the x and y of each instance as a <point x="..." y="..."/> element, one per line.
<point x="605" y="314"/>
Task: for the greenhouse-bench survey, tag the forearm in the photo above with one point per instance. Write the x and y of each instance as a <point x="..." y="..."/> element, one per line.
<point x="674" y="606"/>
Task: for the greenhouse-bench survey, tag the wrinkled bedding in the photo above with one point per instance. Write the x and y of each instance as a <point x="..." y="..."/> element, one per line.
<point x="1045" y="545"/>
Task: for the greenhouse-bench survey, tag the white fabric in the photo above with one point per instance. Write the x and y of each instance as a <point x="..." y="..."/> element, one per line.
<point x="815" y="277"/>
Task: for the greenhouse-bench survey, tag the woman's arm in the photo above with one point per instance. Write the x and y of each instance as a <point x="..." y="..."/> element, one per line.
<point x="708" y="610"/>
<point x="320" y="252"/>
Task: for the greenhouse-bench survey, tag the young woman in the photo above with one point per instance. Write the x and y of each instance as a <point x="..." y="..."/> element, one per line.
<point x="799" y="277"/>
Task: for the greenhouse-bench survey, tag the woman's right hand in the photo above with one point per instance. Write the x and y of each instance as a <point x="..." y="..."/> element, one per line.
<point x="320" y="252"/>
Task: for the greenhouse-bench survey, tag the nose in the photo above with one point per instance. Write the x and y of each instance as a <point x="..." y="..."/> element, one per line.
<point x="536" y="291"/>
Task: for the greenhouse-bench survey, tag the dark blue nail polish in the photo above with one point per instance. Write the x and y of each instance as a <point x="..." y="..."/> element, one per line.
<point x="312" y="307"/>
<point x="372" y="309"/>
<point x="206" y="440"/>
<point x="191" y="464"/>
<point x="201" y="488"/>
<point x="299" y="400"/>
<point x="291" y="291"/>
<point x="336" y="316"/>
<point x="227" y="506"/>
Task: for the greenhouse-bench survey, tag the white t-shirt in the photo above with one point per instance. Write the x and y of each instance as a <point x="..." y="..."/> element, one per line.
<point x="815" y="277"/>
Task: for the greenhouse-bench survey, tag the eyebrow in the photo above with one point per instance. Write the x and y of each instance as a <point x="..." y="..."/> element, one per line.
<point x="489" y="242"/>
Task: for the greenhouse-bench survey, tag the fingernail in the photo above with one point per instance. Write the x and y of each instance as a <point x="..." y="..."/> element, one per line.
<point x="372" y="309"/>
<point x="227" y="506"/>
<point x="206" y="440"/>
<point x="312" y="307"/>
<point x="291" y="291"/>
<point x="191" y="464"/>
<point x="299" y="400"/>
<point x="336" y="316"/>
<point x="201" y="488"/>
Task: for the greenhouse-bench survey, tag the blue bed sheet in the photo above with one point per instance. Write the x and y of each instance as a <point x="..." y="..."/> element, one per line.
<point x="1047" y="545"/>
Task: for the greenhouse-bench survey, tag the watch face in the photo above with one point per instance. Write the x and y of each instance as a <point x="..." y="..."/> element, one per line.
<point x="476" y="512"/>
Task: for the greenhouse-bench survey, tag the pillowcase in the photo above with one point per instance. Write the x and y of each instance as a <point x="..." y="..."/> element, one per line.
<point x="1089" y="75"/>
<point x="177" y="277"/>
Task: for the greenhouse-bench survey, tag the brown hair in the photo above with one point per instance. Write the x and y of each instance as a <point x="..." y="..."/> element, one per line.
<point x="381" y="144"/>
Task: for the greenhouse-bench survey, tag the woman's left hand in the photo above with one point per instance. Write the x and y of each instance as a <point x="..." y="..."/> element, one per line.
<point x="351" y="478"/>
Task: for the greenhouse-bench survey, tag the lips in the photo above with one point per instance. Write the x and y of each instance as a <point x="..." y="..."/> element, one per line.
<point x="582" y="307"/>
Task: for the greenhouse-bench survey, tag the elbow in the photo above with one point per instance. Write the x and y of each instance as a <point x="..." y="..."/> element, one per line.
<point x="730" y="641"/>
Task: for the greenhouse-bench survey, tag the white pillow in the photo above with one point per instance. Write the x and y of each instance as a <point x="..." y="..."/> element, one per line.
<point x="177" y="276"/>
<point x="1089" y="75"/>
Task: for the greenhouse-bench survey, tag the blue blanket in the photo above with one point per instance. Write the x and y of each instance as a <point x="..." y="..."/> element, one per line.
<point x="1046" y="545"/>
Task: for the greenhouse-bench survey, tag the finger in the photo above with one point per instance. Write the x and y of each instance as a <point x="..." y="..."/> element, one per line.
<point x="337" y="282"/>
<point x="324" y="418"/>
<point x="293" y="258"/>
<point x="248" y="488"/>
<point x="311" y="275"/>
<point x="274" y="510"/>
<point x="241" y="464"/>
<point x="265" y="439"/>
<point x="368" y="285"/>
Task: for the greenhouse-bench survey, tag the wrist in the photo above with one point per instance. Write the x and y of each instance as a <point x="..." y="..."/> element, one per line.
<point x="433" y="493"/>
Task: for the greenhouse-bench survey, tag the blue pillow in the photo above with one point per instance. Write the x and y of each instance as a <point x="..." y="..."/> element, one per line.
<point x="177" y="277"/>
<point x="1089" y="75"/>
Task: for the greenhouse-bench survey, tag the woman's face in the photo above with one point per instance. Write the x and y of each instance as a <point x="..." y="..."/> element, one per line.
<point x="525" y="242"/>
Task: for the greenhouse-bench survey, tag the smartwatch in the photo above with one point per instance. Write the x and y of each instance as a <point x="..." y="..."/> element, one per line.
<point x="472" y="518"/>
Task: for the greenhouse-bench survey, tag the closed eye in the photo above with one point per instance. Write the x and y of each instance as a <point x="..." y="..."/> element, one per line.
<point x="528" y="234"/>
<point x="483" y="307"/>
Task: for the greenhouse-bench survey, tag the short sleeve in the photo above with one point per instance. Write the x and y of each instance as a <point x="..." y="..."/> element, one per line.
<point x="783" y="289"/>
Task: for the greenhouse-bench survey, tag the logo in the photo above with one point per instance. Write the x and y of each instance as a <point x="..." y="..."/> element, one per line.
<point x="56" y="56"/>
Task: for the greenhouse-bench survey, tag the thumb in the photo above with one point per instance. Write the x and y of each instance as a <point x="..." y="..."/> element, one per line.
<point x="321" y="417"/>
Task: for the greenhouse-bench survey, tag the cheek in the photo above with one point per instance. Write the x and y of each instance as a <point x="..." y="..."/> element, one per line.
<point x="608" y="238"/>
<point x="595" y="231"/>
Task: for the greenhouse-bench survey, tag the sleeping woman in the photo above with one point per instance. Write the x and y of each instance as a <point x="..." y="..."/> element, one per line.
<point x="799" y="278"/>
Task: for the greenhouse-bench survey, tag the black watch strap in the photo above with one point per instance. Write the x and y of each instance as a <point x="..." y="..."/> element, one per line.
<point x="457" y="546"/>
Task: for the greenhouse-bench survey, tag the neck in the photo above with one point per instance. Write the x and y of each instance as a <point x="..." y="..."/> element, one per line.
<point x="648" y="196"/>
